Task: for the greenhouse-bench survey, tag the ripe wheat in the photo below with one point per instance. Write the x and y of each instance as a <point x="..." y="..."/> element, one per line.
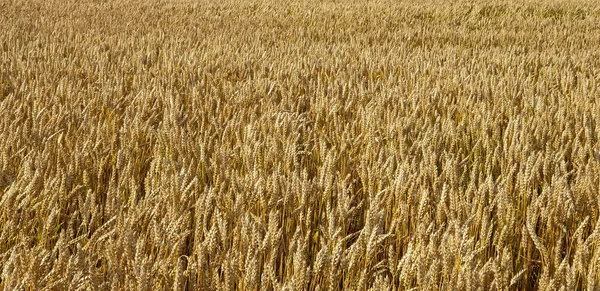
<point x="310" y="145"/>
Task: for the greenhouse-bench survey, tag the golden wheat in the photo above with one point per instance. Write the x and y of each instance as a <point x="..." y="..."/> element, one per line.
<point x="310" y="145"/>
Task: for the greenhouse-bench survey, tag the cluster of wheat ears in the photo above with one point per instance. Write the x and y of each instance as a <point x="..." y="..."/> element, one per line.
<point x="308" y="145"/>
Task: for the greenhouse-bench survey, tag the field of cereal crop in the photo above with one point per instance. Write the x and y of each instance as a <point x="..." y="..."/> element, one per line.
<point x="307" y="145"/>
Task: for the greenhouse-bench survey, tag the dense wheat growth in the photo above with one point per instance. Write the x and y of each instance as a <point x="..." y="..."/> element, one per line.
<point x="308" y="145"/>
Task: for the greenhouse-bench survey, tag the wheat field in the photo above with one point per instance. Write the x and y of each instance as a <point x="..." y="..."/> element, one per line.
<point x="309" y="145"/>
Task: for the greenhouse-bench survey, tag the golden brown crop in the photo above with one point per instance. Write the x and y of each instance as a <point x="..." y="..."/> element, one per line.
<point x="309" y="145"/>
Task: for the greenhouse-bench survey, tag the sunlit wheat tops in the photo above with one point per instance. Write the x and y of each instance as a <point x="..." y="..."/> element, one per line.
<point x="307" y="145"/>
